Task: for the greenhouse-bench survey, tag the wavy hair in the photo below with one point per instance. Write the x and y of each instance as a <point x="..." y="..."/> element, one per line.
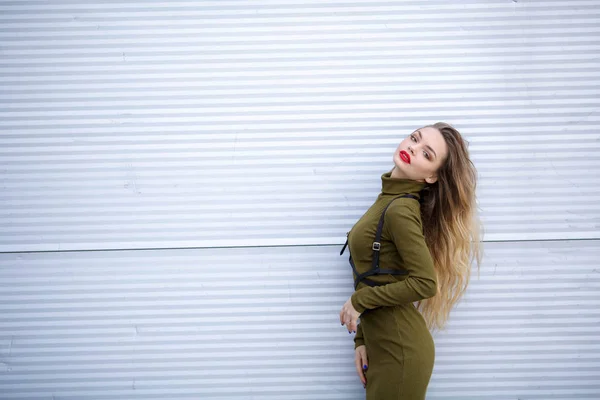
<point x="451" y="227"/>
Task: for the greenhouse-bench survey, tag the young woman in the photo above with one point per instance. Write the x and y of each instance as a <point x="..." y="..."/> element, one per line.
<point x="426" y="214"/>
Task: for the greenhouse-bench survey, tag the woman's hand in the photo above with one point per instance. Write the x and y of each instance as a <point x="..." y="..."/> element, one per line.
<point x="349" y="316"/>
<point x="360" y="359"/>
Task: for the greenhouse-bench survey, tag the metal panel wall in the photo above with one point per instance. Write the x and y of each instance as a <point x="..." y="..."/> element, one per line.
<point x="140" y="140"/>
<point x="153" y="125"/>
<point x="262" y="323"/>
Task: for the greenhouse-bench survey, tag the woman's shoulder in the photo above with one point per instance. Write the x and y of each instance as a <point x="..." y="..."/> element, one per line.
<point x="404" y="208"/>
<point x="407" y="204"/>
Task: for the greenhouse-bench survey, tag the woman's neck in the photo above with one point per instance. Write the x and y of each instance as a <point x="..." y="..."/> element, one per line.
<point x="397" y="174"/>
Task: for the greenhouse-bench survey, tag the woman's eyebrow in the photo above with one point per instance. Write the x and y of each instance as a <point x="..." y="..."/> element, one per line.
<point x="430" y="149"/>
<point x="428" y="146"/>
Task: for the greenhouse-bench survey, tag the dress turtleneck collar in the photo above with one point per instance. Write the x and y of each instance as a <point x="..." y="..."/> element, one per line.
<point x="391" y="185"/>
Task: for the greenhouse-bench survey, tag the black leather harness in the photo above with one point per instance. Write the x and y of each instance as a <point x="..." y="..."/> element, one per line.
<point x="375" y="269"/>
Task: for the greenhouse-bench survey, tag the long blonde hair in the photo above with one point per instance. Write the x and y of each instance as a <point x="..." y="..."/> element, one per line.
<point x="451" y="227"/>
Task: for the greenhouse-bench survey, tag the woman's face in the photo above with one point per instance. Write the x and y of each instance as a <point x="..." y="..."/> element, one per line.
<point x="420" y="155"/>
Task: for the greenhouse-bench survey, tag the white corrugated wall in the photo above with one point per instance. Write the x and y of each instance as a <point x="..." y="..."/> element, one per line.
<point x="178" y="177"/>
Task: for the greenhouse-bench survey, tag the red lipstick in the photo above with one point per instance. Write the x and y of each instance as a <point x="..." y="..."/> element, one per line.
<point x="404" y="156"/>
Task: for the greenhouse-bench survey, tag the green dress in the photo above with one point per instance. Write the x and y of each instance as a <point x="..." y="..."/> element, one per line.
<point x="400" y="348"/>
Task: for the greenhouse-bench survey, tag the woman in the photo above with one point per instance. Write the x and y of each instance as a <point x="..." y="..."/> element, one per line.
<point x="429" y="235"/>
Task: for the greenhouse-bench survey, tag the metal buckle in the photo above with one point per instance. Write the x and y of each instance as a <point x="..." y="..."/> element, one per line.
<point x="376" y="246"/>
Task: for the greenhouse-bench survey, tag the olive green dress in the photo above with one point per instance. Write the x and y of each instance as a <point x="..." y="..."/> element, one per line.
<point x="400" y="348"/>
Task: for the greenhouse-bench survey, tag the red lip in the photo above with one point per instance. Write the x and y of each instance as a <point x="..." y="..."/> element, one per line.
<point x="404" y="156"/>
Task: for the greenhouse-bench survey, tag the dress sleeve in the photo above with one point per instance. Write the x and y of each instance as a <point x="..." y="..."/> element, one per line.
<point x="403" y="223"/>
<point x="359" y="340"/>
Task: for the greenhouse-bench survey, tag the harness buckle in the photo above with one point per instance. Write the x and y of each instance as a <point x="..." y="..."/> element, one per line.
<point x="376" y="246"/>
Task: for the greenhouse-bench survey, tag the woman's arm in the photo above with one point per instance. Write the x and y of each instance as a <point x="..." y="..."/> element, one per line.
<point x="403" y="223"/>
<point x="358" y="338"/>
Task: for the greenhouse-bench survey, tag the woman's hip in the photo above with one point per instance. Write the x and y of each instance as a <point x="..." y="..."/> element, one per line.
<point x="400" y="332"/>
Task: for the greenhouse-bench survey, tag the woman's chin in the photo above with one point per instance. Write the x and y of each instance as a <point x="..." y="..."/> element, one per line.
<point x="398" y="163"/>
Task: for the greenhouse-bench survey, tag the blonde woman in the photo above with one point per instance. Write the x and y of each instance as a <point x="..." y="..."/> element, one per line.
<point x="415" y="244"/>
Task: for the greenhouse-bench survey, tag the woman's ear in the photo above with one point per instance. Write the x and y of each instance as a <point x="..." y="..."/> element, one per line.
<point x="432" y="179"/>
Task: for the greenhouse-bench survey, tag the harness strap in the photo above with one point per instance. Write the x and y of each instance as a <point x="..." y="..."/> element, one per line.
<point x="345" y="244"/>
<point x="376" y="248"/>
<point x="364" y="276"/>
<point x="377" y="243"/>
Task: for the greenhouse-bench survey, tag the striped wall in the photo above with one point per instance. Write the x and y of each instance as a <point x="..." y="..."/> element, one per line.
<point x="262" y="323"/>
<point x="177" y="179"/>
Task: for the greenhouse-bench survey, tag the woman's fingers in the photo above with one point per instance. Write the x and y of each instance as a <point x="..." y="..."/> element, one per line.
<point x="350" y="322"/>
<point x="359" y="369"/>
<point x="349" y="316"/>
<point x="360" y="361"/>
<point x="352" y="325"/>
<point x="346" y="319"/>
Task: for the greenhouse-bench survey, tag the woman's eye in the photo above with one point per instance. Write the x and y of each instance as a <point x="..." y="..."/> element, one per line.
<point x="413" y="138"/>
<point x="426" y="155"/>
